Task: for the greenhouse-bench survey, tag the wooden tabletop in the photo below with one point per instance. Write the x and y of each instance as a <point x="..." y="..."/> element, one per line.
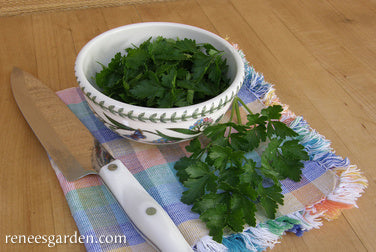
<point x="320" y="55"/>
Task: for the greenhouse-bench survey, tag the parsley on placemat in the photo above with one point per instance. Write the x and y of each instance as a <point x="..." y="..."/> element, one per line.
<point x="225" y="186"/>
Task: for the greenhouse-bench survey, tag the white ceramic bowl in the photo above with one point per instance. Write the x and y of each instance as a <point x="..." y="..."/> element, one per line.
<point x="153" y="125"/>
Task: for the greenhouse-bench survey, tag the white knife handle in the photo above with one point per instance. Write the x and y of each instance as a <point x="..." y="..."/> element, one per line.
<point x="145" y="213"/>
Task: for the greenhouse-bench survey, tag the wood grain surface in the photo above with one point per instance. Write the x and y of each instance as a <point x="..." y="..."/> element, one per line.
<point x="320" y="56"/>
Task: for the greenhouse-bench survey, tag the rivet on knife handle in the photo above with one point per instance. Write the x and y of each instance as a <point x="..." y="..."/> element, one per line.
<point x="144" y="212"/>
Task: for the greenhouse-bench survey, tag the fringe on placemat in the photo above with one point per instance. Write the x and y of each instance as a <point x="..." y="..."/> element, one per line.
<point x="351" y="182"/>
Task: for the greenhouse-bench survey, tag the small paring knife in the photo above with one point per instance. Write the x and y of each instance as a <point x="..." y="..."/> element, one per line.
<point x="69" y="143"/>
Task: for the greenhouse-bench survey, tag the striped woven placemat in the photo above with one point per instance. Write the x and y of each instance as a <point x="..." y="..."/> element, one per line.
<point x="329" y="183"/>
<point x="17" y="7"/>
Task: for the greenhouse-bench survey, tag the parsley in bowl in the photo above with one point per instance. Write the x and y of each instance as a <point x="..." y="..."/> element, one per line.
<point x="165" y="73"/>
<point x="159" y="82"/>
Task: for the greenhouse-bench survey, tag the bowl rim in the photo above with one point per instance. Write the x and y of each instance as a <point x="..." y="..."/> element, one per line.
<point x="87" y="87"/>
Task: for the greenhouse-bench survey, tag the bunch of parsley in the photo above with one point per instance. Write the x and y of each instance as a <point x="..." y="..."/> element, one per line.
<point x="165" y="73"/>
<point x="224" y="185"/>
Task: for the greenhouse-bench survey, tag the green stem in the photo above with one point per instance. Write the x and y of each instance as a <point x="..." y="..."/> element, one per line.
<point x="232" y="110"/>
<point x="231" y="115"/>
<point x="238" y="117"/>
<point x="203" y="151"/>
<point x="244" y="105"/>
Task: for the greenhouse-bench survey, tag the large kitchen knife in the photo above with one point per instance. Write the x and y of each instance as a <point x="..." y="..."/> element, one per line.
<point x="69" y="143"/>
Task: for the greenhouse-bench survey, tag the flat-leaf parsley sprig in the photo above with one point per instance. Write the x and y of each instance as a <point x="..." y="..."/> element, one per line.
<point x="224" y="185"/>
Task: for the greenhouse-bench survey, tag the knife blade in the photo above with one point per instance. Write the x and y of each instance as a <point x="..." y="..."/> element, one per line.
<point x="69" y="143"/>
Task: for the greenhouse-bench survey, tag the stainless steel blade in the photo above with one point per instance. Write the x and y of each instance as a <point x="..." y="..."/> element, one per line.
<point x="68" y="142"/>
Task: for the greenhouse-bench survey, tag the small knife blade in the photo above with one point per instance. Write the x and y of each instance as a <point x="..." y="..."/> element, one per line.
<point x="69" y="143"/>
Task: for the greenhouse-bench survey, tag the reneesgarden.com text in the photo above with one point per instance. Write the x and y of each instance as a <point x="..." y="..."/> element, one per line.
<point x="53" y="240"/>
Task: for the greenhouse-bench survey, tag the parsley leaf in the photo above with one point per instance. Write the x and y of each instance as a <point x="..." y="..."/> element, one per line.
<point x="224" y="186"/>
<point x="201" y="179"/>
<point x="215" y="218"/>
